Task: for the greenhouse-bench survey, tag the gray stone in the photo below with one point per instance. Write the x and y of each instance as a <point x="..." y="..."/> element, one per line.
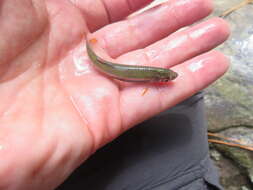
<point x="243" y="158"/>
<point x="229" y="101"/>
<point x="231" y="176"/>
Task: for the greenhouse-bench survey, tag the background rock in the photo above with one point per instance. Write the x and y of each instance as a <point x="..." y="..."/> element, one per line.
<point x="229" y="101"/>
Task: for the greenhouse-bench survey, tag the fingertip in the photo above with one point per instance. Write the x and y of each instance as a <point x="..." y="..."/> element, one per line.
<point x="223" y="61"/>
<point x="216" y="65"/>
<point x="203" y="7"/>
<point x="208" y="6"/>
<point x="203" y="69"/>
<point x="223" y="27"/>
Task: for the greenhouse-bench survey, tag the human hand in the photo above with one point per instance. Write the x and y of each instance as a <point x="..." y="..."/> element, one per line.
<point x="56" y="109"/>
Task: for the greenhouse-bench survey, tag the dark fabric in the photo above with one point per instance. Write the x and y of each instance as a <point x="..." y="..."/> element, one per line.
<point x="167" y="152"/>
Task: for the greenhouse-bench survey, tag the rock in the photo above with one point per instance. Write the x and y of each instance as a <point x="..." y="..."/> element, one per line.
<point x="231" y="176"/>
<point x="215" y="155"/>
<point x="245" y="188"/>
<point x="229" y="101"/>
<point x="243" y="159"/>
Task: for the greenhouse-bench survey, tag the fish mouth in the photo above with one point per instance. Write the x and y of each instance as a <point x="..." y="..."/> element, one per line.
<point x="170" y="78"/>
<point x="174" y="75"/>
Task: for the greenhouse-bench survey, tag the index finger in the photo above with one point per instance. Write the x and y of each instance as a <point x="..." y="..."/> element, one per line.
<point x="150" y="26"/>
<point x="98" y="13"/>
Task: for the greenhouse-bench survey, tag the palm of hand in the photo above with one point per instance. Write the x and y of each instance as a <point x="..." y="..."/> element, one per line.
<point x="55" y="108"/>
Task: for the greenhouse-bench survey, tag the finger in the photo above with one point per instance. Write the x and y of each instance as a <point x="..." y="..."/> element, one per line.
<point x="101" y="12"/>
<point x="194" y="75"/>
<point x="152" y="25"/>
<point x="181" y="46"/>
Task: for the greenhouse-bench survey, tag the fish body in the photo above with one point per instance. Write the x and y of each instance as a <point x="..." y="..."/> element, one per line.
<point x="130" y="73"/>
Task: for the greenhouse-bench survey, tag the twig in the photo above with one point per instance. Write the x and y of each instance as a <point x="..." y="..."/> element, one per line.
<point x="230" y="144"/>
<point x="145" y="90"/>
<point x="223" y="137"/>
<point x="236" y="7"/>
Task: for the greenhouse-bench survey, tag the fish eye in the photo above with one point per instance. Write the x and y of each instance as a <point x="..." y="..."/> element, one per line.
<point x="165" y="80"/>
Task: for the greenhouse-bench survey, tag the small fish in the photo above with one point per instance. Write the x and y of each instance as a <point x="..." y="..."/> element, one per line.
<point x="129" y="73"/>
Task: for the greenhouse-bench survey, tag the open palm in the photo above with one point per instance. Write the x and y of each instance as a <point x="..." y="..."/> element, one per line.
<point x="56" y="109"/>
